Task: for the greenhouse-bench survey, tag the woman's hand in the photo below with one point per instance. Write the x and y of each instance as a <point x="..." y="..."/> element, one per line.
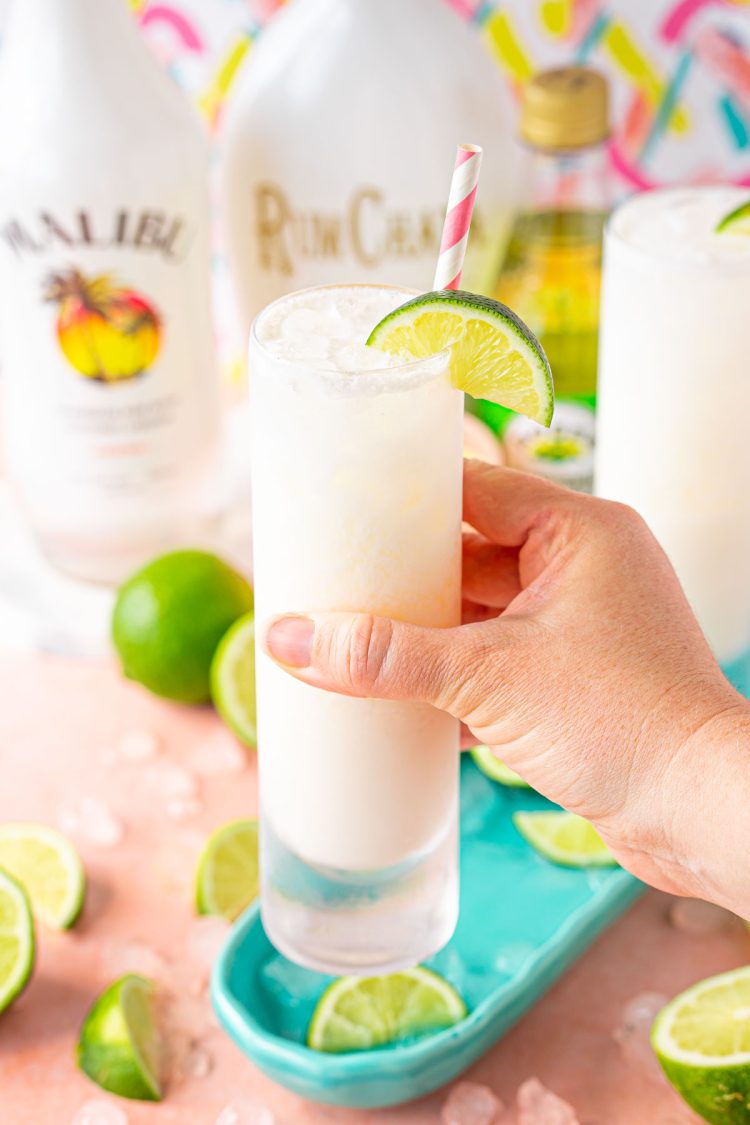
<point x="583" y="667"/>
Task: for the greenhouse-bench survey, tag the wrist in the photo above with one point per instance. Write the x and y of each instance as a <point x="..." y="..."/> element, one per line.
<point x="686" y="831"/>
<point x="709" y="789"/>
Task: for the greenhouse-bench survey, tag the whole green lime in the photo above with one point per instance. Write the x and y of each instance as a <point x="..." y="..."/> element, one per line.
<point x="169" y="618"/>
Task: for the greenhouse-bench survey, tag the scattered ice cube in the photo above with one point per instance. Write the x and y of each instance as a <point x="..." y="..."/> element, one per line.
<point x="117" y="958"/>
<point x="245" y="1112"/>
<point x="469" y="1103"/>
<point x="182" y="1016"/>
<point x="170" y="781"/>
<point x="205" y="938"/>
<point x="91" y="820"/>
<point x="175" y="859"/>
<point x="98" y="1112"/>
<point x="698" y="918"/>
<point x="138" y="745"/>
<point x="197" y="1062"/>
<point x="632" y="1035"/>
<point x="186" y="1059"/>
<point x="539" y="1106"/>
<point x="180" y="808"/>
<point x="219" y="754"/>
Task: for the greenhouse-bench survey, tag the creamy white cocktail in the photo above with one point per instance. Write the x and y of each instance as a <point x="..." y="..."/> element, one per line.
<point x="674" y="399"/>
<point x="356" y="507"/>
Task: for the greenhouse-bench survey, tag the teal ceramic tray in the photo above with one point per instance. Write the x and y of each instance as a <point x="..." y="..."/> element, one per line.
<point x="523" y="921"/>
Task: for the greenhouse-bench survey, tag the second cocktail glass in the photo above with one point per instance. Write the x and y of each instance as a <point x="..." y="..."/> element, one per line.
<point x="675" y="396"/>
<point x="356" y="507"/>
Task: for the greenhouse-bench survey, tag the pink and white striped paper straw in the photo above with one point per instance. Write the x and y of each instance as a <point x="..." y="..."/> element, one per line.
<point x="458" y="217"/>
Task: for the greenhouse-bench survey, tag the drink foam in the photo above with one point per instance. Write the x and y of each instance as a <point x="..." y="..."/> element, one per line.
<point x="680" y="224"/>
<point x="327" y="328"/>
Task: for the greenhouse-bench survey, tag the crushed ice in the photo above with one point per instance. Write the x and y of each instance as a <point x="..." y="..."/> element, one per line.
<point x="633" y="1034"/>
<point x="181" y="808"/>
<point x="470" y="1103"/>
<point x="90" y="820"/>
<point x="539" y="1106"/>
<point x="120" y="957"/>
<point x="245" y="1112"/>
<point x="139" y="745"/>
<point x="98" y="1112"/>
<point x="218" y="754"/>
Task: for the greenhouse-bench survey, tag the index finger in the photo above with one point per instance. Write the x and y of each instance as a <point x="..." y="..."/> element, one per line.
<point x="506" y="506"/>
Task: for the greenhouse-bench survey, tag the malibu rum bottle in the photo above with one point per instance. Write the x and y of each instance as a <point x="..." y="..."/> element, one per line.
<point x="110" y="404"/>
<point x="339" y="142"/>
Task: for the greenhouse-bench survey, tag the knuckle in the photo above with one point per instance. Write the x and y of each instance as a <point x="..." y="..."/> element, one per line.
<point x="366" y="651"/>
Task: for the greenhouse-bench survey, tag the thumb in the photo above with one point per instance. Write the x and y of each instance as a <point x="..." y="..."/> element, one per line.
<point x="377" y="658"/>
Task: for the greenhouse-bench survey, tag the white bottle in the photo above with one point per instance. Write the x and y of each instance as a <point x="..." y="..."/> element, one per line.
<point x="339" y="145"/>
<point x="110" y="397"/>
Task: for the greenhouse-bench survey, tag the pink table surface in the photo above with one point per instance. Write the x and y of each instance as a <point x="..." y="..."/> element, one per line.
<point x="61" y="724"/>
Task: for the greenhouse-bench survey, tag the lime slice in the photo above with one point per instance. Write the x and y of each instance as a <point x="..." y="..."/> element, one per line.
<point x="16" y="940"/>
<point x="702" y="1040"/>
<point x="48" y="867"/>
<point x="564" y="838"/>
<point x="356" y="1013"/>
<point x="491" y="765"/>
<point x="227" y="877"/>
<point x="118" y="1047"/>
<point x="233" y="680"/>
<point x="494" y="355"/>
<point x="737" y="221"/>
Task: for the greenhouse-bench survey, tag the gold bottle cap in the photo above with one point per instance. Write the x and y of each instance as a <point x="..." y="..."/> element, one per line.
<point x="565" y="108"/>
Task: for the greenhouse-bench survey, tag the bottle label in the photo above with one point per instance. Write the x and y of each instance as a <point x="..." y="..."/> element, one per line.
<point x="368" y="230"/>
<point x="108" y="357"/>
<point x="282" y="241"/>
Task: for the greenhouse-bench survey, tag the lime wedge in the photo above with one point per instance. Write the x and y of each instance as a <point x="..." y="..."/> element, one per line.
<point x="564" y="838"/>
<point x="491" y="765"/>
<point x="702" y="1040"/>
<point x="356" y="1013"/>
<point x="118" y="1047"/>
<point x="227" y="877"/>
<point x="48" y="867"/>
<point x="233" y="680"/>
<point x="494" y="355"/>
<point x="16" y="940"/>
<point x="737" y="221"/>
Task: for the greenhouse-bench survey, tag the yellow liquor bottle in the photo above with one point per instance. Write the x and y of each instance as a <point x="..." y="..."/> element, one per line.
<point x="550" y="274"/>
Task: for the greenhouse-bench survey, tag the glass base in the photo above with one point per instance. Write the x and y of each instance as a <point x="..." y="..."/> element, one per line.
<point x="737" y="671"/>
<point x="361" y="923"/>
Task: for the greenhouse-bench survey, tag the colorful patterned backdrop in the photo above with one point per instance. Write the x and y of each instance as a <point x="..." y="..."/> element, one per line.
<point x="680" y="69"/>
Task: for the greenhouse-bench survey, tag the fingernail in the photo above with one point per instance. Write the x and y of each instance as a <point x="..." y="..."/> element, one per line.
<point x="289" y="640"/>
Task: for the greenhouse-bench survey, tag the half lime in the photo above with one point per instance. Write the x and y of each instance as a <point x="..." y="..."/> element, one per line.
<point x="16" y="940"/>
<point x="357" y="1013"/>
<point x="491" y="765"/>
<point x="737" y="221"/>
<point x="564" y="838"/>
<point x="227" y="877"/>
<point x="233" y="680"/>
<point x="702" y="1040"/>
<point x="48" y="867"/>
